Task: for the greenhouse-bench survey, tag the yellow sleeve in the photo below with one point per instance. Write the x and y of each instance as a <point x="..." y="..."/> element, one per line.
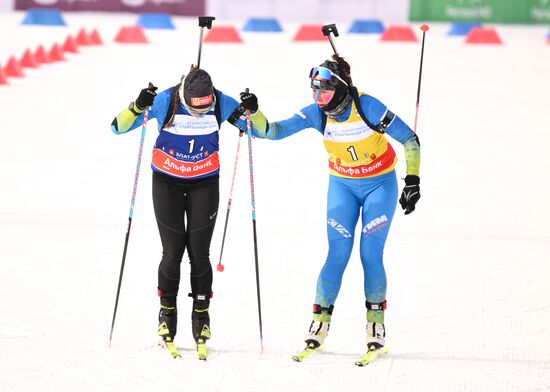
<point x="125" y="119"/>
<point x="412" y="156"/>
<point x="259" y="122"/>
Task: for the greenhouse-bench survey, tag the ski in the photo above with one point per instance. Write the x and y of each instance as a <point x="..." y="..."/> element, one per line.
<point x="306" y="353"/>
<point x="201" y="349"/>
<point x="169" y="344"/>
<point x="371" y="355"/>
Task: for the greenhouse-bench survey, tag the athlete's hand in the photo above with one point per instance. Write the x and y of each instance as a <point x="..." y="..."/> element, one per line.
<point x="249" y="101"/>
<point x="146" y="97"/>
<point x="411" y="193"/>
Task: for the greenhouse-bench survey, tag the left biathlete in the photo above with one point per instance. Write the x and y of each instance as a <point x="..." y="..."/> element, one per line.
<point x="362" y="183"/>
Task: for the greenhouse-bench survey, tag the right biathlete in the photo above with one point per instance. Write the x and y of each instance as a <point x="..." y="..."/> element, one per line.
<point x="362" y="183"/>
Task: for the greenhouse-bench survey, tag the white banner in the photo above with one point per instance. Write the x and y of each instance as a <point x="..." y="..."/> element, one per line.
<point x="319" y="11"/>
<point x="7" y="5"/>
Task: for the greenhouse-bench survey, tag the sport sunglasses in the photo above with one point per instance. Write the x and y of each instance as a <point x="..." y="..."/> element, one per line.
<point x="323" y="74"/>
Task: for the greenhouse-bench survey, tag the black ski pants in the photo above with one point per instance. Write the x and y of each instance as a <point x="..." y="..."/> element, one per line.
<point x="186" y="212"/>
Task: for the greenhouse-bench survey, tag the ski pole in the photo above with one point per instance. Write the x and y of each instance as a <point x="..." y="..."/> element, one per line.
<point x="424" y="28"/>
<point x="204" y="21"/>
<point x="253" y="202"/>
<point x="130" y="216"/>
<point x="327" y="29"/>
<point x="220" y="266"/>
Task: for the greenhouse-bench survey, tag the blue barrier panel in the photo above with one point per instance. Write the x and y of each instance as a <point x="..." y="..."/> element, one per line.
<point x="462" y="28"/>
<point x="366" y="27"/>
<point x="262" y="24"/>
<point x="151" y="20"/>
<point x="43" y="16"/>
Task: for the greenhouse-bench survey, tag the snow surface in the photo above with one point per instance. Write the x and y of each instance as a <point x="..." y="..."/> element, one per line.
<point x="468" y="272"/>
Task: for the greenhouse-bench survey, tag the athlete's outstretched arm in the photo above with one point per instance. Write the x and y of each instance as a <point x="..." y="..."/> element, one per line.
<point x="234" y="112"/>
<point x="308" y="117"/>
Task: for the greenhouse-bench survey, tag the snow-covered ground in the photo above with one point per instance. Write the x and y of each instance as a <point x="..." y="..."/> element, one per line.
<point x="468" y="272"/>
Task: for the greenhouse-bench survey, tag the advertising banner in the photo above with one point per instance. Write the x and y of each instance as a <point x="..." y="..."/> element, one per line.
<point x="492" y="11"/>
<point x="320" y="11"/>
<point x="6" y="5"/>
<point x="173" y="7"/>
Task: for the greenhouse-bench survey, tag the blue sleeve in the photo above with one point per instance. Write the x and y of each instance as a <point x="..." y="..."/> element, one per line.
<point x="308" y="117"/>
<point x="375" y="111"/>
<point x="227" y="106"/>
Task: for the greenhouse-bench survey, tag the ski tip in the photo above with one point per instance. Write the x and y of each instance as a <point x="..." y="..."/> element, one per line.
<point x="172" y="349"/>
<point x="371" y="355"/>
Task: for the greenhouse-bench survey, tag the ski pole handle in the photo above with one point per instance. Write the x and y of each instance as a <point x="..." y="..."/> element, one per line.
<point x="204" y="21"/>
<point x="327" y="30"/>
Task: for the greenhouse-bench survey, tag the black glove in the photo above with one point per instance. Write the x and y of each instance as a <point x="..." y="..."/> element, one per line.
<point x="249" y="101"/>
<point x="411" y="193"/>
<point x="146" y="97"/>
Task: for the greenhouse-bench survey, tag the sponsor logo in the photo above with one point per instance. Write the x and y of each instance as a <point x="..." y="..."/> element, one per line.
<point x="469" y="9"/>
<point x="171" y="152"/>
<point x="213" y="215"/>
<point x="201" y="101"/>
<point x="347" y="132"/>
<point x="542" y="11"/>
<point x="339" y="228"/>
<point x="375" y="225"/>
<point x="139" y="3"/>
<point x="359" y="171"/>
<point x="134" y="3"/>
<point x="189" y="157"/>
<point x="170" y="165"/>
<point x="45" y="2"/>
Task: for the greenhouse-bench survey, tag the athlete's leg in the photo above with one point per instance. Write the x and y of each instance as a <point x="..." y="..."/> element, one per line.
<point x="202" y="209"/>
<point x="342" y="215"/>
<point x="169" y="206"/>
<point x="378" y="210"/>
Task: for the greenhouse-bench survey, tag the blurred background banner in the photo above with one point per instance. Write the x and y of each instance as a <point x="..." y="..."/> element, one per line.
<point x="6" y="5"/>
<point x="287" y="10"/>
<point x="312" y="10"/>
<point x="496" y="11"/>
<point x="173" y="7"/>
